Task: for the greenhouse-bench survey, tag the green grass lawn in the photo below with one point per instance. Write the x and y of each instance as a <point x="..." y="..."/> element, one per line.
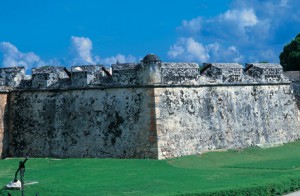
<point x="252" y="171"/>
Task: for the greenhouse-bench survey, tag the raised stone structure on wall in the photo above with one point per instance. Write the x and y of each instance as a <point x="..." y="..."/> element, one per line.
<point x="11" y="76"/>
<point x="150" y="109"/>
<point x="224" y="72"/>
<point x="265" y="72"/>
<point x="294" y="77"/>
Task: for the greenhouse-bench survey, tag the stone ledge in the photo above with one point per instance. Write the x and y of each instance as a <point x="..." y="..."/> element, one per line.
<point x="150" y="86"/>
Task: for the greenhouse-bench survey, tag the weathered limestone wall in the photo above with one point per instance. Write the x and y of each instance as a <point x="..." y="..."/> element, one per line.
<point x="296" y="89"/>
<point x="149" y="122"/>
<point x="198" y="119"/>
<point x="294" y="77"/>
<point x="3" y="99"/>
<point x="115" y="122"/>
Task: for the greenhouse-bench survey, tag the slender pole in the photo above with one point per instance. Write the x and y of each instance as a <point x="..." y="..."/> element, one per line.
<point x="22" y="170"/>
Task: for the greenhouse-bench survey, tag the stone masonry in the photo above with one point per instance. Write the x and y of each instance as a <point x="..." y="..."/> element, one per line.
<point x="150" y="109"/>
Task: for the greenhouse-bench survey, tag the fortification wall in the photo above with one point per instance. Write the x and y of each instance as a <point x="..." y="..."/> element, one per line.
<point x="294" y="77"/>
<point x="198" y="119"/>
<point x="3" y="98"/>
<point x="150" y="109"/>
<point x="110" y="122"/>
<point x="150" y="121"/>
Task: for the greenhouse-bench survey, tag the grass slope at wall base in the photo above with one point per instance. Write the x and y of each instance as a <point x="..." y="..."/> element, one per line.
<point x="253" y="171"/>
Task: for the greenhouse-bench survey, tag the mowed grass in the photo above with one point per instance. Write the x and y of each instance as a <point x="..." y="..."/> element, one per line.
<point x="252" y="171"/>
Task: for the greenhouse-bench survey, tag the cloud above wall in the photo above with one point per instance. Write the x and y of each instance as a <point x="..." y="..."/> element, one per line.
<point x="82" y="50"/>
<point x="188" y="49"/>
<point x="118" y="58"/>
<point x="13" y="57"/>
<point x="248" y="31"/>
<point x="81" y="54"/>
<point x="191" y="26"/>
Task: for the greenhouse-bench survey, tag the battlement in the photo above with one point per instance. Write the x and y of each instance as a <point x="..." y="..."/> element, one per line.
<point x="150" y="71"/>
<point x="264" y="72"/>
<point x="225" y="72"/>
<point x="12" y="76"/>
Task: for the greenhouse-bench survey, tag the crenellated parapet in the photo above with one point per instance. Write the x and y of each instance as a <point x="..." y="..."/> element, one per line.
<point x="126" y="73"/>
<point x="150" y="71"/>
<point x="224" y="72"/>
<point x="176" y="73"/>
<point x="85" y="75"/>
<point x="12" y="76"/>
<point x="49" y="77"/>
<point x="265" y="72"/>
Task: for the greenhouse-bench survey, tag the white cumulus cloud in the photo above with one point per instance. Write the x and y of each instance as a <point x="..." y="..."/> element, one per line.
<point x="191" y="26"/>
<point x="11" y="57"/>
<point x="82" y="54"/>
<point x="189" y="50"/>
<point x="247" y="31"/>
<point x="242" y="18"/>
<point x="219" y="53"/>
<point x="118" y="58"/>
<point x="82" y="47"/>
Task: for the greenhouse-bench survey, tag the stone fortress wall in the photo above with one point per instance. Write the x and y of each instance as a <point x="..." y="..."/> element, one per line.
<point x="151" y="109"/>
<point x="294" y="77"/>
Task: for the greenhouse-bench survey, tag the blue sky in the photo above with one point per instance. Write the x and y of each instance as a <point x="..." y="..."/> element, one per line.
<point x="68" y="32"/>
